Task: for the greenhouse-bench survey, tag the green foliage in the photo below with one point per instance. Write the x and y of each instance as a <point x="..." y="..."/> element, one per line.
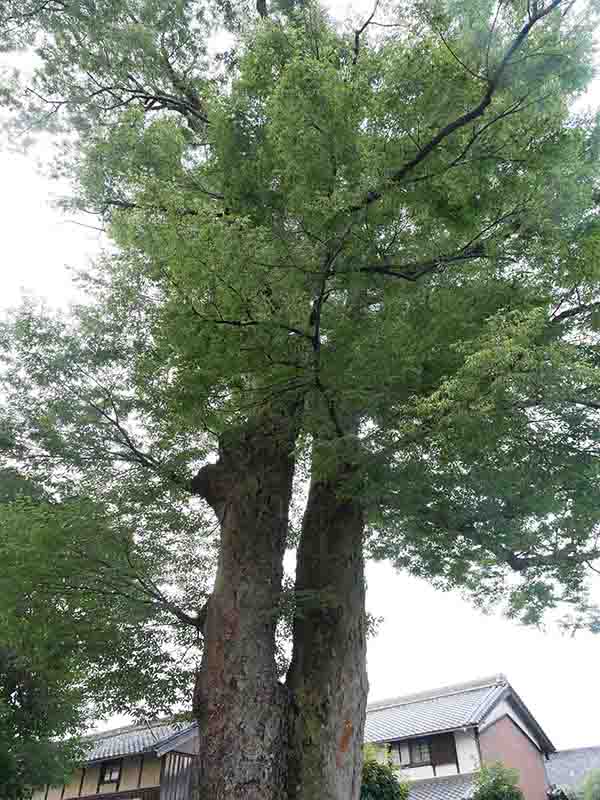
<point x="497" y="782"/>
<point x="37" y="704"/>
<point x="80" y="636"/>
<point x="380" y="782"/>
<point x="456" y="304"/>
<point x="40" y="701"/>
<point x="591" y="785"/>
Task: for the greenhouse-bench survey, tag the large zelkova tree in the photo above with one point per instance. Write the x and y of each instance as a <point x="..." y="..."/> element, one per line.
<point x="350" y="306"/>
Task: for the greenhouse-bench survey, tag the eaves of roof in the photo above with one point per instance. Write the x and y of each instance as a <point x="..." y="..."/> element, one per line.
<point x="449" y="708"/>
<point x="132" y="740"/>
<point x="172" y="741"/>
<point x="513" y="698"/>
<point x="452" y="787"/>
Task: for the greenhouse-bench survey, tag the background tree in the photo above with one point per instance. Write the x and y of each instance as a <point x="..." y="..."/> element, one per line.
<point x="369" y="262"/>
<point x="84" y="631"/>
<point x="39" y="702"/>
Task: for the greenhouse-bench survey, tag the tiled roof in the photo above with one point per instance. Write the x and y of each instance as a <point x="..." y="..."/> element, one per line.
<point x="132" y="739"/>
<point x="454" y="787"/>
<point x="448" y="708"/>
<point x="569" y="767"/>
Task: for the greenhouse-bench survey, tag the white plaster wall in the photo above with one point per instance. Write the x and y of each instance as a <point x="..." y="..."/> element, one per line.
<point x="395" y="754"/>
<point x="381" y="753"/>
<point x="445" y="769"/>
<point x="404" y="753"/>
<point x="417" y="772"/>
<point x="467" y="751"/>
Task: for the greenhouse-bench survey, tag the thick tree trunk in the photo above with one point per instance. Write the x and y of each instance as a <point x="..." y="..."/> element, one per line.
<point x="239" y="703"/>
<point x="327" y="676"/>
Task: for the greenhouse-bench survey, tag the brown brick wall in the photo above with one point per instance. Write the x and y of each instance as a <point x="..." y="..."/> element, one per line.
<point x="505" y="741"/>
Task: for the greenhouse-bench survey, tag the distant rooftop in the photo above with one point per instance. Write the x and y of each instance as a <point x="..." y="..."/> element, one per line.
<point x="453" y="787"/>
<point x="447" y="708"/>
<point x="460" y="705"/>
<point x="442" y="691"/>
<point x="132" y="739"/>
<point x="568" y="768"/>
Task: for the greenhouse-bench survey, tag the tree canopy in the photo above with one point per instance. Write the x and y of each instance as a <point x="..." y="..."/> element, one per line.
<point x="275" y="237"/>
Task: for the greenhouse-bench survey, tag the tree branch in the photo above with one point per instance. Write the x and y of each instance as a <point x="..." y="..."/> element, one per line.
<point x="576" y="311"/>
<point x="414" y="271"/>
<point x="470" y="116"/>
<point x="358" y="33"/>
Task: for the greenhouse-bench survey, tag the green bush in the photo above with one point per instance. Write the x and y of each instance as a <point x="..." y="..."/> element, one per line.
<point x="497" y="782"/>
<point x="379" y="782"/>
<point x="591" y="785"/>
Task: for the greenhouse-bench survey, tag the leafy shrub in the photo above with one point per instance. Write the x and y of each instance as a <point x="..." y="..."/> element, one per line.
<point x="497" y="782"/>
<point x="379" y="782"/>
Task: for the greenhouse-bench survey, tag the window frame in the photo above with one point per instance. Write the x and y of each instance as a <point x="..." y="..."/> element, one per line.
<point x="114" y="764"/>
<point x="422" y="740"/>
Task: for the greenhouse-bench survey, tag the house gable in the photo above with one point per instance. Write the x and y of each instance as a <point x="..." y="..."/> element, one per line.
<point x="129" y="763"/>
<point x="504" y="740"/>
<point x="511" y="705"/>
<point x="135" y="773"/>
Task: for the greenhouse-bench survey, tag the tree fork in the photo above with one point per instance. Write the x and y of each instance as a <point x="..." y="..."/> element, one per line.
<point x="327" y="676"/>
<point x="240" y="706"/>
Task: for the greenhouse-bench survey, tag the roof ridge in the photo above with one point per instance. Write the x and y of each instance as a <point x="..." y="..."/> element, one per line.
<point x="138" y="726"/>
<point x="442" y="691"/>
<point x="488" y="702"/>
<point x="439" y="778"/>
<point x="575" y="750"/>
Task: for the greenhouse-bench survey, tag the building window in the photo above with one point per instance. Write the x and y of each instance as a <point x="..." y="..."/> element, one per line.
<point x="420" y="752"/>
<point x="110" y="772"/>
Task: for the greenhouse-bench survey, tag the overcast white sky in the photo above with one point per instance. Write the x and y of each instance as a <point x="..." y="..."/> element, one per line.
<point x="427" y="638"/>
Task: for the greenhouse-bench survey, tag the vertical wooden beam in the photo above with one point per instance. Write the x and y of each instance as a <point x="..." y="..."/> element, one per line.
<point x="81" y="781"/>
<point x="455" y="753"/>
<point x="120" y="773"/>
<point x="162" y="772"/>
<point x="141" y="771"/>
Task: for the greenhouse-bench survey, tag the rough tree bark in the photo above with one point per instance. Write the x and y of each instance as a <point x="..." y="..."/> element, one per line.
<point x="259" y="739"/>
<point x="327" y="676"/>
<point x="240" y="706"/>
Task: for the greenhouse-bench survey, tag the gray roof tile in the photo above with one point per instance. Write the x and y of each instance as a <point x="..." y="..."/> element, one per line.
<point x="569" y="767"/>
<point x="131" y="740"/>
<point x="442" y="709"/>
<point x="454" y="787"/>
<point x="447" y="708"/>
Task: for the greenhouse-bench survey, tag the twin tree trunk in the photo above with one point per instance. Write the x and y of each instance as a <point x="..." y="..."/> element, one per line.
<point x="327" y="676"/>
<point x="261" y="739"/>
